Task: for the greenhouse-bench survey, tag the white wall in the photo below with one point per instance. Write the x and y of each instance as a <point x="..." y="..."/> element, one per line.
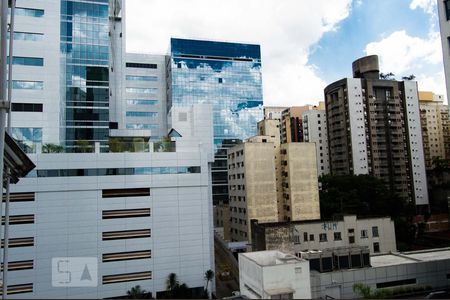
<point x="357" y="126"/>
<point x="415" y="140"/>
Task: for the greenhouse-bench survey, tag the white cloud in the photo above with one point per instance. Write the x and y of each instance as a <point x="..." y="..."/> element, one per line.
<point x="286" y="31"/>
<point x="404" y="55"/>
<point x="427" y="5"/>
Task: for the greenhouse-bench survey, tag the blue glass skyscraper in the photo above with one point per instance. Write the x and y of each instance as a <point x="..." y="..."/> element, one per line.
<point x="85" y="71"/>
<point x="228" y="76"/>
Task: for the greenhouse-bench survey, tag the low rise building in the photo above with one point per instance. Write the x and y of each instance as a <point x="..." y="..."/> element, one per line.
<point x="273" y="275"/>
<point x="333" y="274"/>
<point x="377" y="234"/>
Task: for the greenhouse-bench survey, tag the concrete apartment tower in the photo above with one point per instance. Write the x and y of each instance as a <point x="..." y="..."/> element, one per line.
<point x="435" y="127"/>
<point x="315" y="131"/>
<point x="374" y="128"/>
<point x="444" y="22"/>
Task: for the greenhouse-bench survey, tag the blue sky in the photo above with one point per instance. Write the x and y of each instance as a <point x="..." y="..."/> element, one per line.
<point x="336" y="50"/>
<point x="305" y="44"/>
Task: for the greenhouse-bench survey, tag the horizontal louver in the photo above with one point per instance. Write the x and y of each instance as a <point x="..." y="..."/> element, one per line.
<point x="18" y="289"/>
<point x="144" y="254"/>
<point x="126" y="213"/>
<point x="118" y="193"/>
<point x="108" y="279"/>
<point x="19" y="219"/>
<point x="19" y="265"/>
<point x="19" y="197"/>
<point x="126" y="234"/>
<point x="20" y="242"/>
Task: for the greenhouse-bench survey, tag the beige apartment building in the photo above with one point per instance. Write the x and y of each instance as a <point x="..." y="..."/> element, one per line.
<point x="251" y="185"/>
<point x="271" y="182"/>
<point x="299" y="181"/>
<point x="292" y="122"/>
<point x="435" y="127"/>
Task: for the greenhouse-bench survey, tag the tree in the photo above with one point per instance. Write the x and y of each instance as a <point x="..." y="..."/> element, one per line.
<point x="171" y="283"/>
<point x="209" y="276"/>
<point x="361" y="195"/>
<point x="410" y="77"/>
<point x="83" y="146"/>
<point x="387" y="76"/>
<point x="52" y="148"/>
<point x="137" y="293"/>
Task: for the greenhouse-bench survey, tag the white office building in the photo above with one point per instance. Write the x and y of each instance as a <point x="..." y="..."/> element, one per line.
<point x="136" y="205"/>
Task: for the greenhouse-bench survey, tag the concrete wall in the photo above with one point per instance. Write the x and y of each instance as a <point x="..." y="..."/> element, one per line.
<point x="416" y="152"/>
<point x="357" y="126"/>
<point x="301" y="178"/>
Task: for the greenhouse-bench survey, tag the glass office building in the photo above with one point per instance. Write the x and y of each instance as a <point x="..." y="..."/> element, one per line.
<point x="85" y="72"/>
<point x="228" y="76"/>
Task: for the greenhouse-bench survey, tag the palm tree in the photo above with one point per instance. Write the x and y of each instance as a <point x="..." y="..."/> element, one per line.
<point x="137" y="293"/>
<point x="52" y="148"/>
<point x="209" y="276"/>
<point x="171" y="283"/>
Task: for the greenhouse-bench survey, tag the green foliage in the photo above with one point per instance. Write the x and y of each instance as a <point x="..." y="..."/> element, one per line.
<point x="175" y="290"/>
<point x="138" y="293"/>
<point x="387" y="76"/>
<point x="83" y="146"/>
<point x="362" y="195"/>
<point x="52" y="148"/>
<point x="366" y="292"/>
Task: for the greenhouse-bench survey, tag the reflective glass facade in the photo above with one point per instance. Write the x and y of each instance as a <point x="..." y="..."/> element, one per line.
<point x="228" y="76"/>
<point x="27" y="138"/>
<point x="85" y="51"/>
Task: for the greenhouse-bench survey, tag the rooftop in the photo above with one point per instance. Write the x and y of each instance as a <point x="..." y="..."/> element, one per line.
<point x="272" y="258"/>
<point x="410" y="257"/>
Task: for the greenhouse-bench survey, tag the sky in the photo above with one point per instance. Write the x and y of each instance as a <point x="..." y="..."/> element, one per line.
<point x="305" y="45"/>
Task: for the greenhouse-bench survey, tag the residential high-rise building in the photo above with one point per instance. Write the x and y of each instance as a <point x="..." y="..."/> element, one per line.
<point x="444" y="22"/>
<point x="272" y="182"/>
<point x="315" y="131"/>
<point x="252" y="185"/>
<point x="274" y="112"/>
<point x="227" y="76"/>
<point x="292" y="123"/>
<point x="132" y="206"/>
<point x="435" y="127"/>
<point x="374" y="128"/>
<point x="299" y="180"/>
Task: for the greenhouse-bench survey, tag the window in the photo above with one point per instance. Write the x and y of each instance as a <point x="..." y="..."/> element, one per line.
<point x="220" y="80"/>
<point x="141" y="90"/>
<point x="141" y="114"/>
<point x="311" y="237"/>
<point x="27" y="85"/>
<point x="27" y="107"/>
<point x="27" y="36"/>
<point x="27" y="138"/>
<point x="296" y="239"/>
<point x="376" y="247"/>
<point x="126" y="234"/>
<point x="351" y="231"/>
<point x="117" y="193"/>
<point x="351" y="239"/>
<point x="364" y="234"/>
<point x="27" y="61"/>
<point x="132" y="255"/>
<point x="141" y="126"/>
<point x="305" y="236"/>
<point x="142" y="102"/>
<point x="107" y="279"/>
<point x="337" y="236"/>
<point x="126" y="213"/>
<point x="396" y="283"/>
<point x="323" y="237"/>
<point x="29" y="12"/>
<point x="141" y="66"/>
<point x="375" y="231"/>
<point x="141" y="78"/>
<point x="447" y="9"/>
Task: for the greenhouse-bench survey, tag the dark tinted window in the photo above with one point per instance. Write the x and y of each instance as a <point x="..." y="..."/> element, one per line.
<point x="142" y="66"/>
<point x="27" y="107"/>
